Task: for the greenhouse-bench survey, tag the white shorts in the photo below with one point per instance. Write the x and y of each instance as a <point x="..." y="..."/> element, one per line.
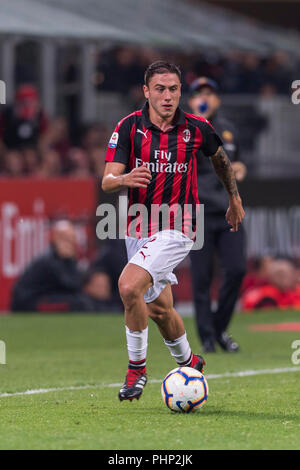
<point x="159" y="255"/>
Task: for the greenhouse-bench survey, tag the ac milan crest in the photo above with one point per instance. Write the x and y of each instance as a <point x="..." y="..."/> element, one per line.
<point x="186" y="135"/>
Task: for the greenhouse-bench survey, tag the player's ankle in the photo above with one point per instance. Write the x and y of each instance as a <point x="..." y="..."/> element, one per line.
<point x="136" y="371"/>
<point x="191" y="362"/>
<point x="194" y="360"/>
<point x="186" y="363"/>
<point x="137" y="366"/>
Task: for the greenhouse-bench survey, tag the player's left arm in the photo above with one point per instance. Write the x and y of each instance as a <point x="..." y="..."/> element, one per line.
<point x="224" y="171"/>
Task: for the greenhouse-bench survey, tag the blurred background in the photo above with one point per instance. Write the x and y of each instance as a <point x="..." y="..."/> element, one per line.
<point x="72" y="69"/>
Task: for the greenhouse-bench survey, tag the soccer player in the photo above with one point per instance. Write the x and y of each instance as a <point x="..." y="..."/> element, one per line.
<point x="152" y="152"/>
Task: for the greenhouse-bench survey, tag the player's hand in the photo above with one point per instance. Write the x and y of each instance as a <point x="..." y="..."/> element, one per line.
<point x="235" y="213"/>
<point x="139" y="177"/>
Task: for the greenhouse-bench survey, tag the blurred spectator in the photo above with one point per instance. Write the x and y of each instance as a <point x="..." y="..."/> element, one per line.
<point x="282" y="289"/>
<point x="13" y="164"/>
<point x="97" y="157"/>
<point x="259" y="275"/>
<point x="283" y="275"/>
<point x="251" y="75"/>
<point x="23" y="123"/>
<point x="57" y="138"/>
<point x="231" y="75"/>
<point x="79" y="163"/>
<point x="50" y="166"/>
<point x="121" y="62"/>
<point x="277" y="73"/>
<point x="111" y="260"/>
<point x="236" y="71"/>
<point x="31" y="161"/>
<point x="53" y="282"/>
<point x="94" y="135"/>
<point x="98" y="286"/>
<point x="59" y="147"/>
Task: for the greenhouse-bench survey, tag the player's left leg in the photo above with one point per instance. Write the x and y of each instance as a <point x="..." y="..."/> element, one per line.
<point x="133" y="283"/>
<point x="171" y="326"/>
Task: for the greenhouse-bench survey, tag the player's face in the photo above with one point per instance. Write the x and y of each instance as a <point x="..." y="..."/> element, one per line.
<point x="207" y="97"/>
<point x="163" y="94"/>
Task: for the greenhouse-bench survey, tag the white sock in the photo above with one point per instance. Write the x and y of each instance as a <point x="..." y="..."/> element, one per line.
<point x="180" y="349"/>
<point x="137" y="342"/>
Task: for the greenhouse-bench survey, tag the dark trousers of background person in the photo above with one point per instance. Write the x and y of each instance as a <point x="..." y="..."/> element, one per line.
<point x="230" y="249"/>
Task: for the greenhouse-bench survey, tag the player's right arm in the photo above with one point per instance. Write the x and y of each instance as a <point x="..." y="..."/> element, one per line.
<point x="115" y="178"/>
<point x="117" y="161"/>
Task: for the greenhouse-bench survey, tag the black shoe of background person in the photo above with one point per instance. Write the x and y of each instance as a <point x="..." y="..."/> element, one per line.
<point x="209" y="346"/>
<point x="227" y="343"/>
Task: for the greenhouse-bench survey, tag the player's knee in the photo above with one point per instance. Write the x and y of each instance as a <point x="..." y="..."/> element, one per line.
<point x="129" y="292"/>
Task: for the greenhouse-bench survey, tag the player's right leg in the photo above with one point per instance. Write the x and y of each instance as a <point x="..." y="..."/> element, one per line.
<point x="133" y="283"/>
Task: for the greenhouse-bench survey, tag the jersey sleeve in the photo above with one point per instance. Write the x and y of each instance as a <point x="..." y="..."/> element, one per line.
<point x="211" y="141"/>
<point x="119" y="146"/>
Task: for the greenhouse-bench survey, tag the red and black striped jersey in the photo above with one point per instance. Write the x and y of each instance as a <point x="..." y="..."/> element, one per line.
<point x="171" y="157"/>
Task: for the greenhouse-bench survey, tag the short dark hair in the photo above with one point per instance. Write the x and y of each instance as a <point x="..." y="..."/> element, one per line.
<point x="160" y="66"/>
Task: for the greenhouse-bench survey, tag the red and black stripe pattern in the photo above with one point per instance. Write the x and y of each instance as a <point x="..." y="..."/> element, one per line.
<point x="137" y="365"/>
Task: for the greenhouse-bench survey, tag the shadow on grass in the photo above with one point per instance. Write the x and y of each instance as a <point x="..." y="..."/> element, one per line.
<point x="250" y="415"/>
<point x="221" y="413"/>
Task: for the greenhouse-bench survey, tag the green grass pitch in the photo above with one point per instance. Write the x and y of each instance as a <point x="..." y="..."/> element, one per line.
<point x="60" y="351"/>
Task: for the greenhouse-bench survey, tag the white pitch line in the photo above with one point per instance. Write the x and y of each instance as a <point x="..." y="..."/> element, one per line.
<point x="243" y="373"/>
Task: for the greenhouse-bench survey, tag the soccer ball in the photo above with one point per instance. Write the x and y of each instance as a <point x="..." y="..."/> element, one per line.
<point x="184" y="389"/>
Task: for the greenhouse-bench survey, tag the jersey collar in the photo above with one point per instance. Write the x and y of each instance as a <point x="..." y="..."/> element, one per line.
<point x="179" y="117"/>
